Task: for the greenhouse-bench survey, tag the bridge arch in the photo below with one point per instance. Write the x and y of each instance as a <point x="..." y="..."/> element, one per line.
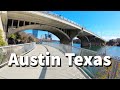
<point x="64" y="38"/>
<point x="83" y="39"/>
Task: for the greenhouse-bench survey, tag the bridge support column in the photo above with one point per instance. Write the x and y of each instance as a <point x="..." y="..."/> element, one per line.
<point x="90" y="41"/>
<point x="67" y="42"/>
<point x="2" y="27"/>
<point x="18" y="23"/>
<point x="67" y="45"/>
<point x="12" y="23"/>
<point x="71" y="33"/>
<point x="85" y="42"/>
<point x="23" y="23"/>
<point x="97" y="42"/>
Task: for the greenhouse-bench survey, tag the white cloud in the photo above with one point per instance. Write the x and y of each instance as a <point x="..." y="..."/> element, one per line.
<point x="110" y="37"/>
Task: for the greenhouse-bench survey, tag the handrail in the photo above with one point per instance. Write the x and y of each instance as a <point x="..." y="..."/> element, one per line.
<point x="94" y="72"/>
<point x="57" y="16"/>
<point x="18" y="49"/>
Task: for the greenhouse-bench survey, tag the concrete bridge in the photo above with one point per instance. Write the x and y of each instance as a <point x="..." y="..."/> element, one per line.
<point x="15" y="21"/>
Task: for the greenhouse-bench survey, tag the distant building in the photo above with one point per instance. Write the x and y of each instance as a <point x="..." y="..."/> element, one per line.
<point x="46" y="36"/>
<point x="35" y="33"/>
<point x="50" y="36"/>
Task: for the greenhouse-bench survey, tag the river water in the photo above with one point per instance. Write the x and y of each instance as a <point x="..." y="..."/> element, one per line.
<point x="113" y="51"/>
<point x="110" y="50"/>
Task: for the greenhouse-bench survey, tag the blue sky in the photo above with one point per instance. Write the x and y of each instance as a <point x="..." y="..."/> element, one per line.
<point x="103" y="23"/>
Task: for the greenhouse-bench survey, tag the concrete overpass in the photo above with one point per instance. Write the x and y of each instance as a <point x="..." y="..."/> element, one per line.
<point x="15" y="21"/>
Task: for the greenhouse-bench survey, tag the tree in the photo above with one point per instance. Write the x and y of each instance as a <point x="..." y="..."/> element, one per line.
<point x="31" y="39"/>
<point x="12" y="36"/>
<point x="22" y="37"/>
<point x="2" y="42"/>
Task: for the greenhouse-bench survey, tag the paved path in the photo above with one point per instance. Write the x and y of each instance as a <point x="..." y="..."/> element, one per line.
<point x="63" y="72"/>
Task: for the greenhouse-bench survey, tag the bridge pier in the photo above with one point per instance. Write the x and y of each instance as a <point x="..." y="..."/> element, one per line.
<point x="89" y="41"/>
<point x="3" y="24"/>
<point x="97" y="42"/>
<point x="67" y="42"/>
<point x="71" y="33"/>
<point x="85" y="42"/>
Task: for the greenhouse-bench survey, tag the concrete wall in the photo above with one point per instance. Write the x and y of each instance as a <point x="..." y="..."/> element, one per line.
<point x="1" y="28"/>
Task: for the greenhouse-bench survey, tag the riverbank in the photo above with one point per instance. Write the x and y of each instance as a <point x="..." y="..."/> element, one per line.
<point x="109" y="50"/>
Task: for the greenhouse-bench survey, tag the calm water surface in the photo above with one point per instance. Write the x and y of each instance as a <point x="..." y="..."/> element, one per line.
<point x="110" y="50"/>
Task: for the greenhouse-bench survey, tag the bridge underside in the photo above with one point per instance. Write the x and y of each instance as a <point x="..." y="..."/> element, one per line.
<point x="89" y="41"/>
<point x="66" y="35"/>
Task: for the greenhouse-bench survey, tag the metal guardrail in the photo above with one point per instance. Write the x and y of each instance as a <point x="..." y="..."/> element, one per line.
<point x="18" y="49"/>
<point x="54" y="15"/>
<point x="94" y="72"/>
<point x="59" y="16"/>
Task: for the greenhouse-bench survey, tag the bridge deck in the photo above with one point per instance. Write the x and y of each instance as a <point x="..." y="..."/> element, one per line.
<point x="63" y="72"/>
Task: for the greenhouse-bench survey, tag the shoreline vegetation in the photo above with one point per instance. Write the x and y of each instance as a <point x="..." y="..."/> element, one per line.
<point x="112" y="42"/>
<point x="21" y="37"/>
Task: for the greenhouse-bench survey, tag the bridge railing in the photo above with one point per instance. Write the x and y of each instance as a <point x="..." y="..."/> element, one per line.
<point x="18" y="49"/>
<point x="57" y="16"/>
<point x="103" y="72"/>
<point x="62" y="18"/>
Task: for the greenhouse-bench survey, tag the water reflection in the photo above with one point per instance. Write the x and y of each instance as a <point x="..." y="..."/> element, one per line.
<point x="109" y="50"/>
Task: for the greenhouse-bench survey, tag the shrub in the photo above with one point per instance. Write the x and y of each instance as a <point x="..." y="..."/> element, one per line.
<point x="2" y="42"/>
<point x="12" y="36"/>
